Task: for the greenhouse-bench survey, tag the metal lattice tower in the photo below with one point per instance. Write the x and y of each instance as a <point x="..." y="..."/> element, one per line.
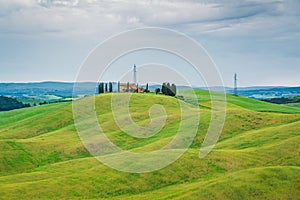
<point x="134" y="74"/>
<point x="235" y="84"/>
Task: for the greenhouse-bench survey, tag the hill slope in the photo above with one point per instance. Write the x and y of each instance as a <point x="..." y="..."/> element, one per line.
<point x="257" y="156"/>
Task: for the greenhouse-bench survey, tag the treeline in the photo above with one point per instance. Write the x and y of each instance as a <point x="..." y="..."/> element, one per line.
<point x="7" y="103"/>
<point x="51" y="102"/>
<point x="284" y="100"/>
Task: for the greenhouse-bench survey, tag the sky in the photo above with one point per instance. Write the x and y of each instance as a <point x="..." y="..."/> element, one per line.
<point x="48" y="40"/>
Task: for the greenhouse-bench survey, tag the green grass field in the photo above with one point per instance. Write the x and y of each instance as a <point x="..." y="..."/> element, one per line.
<point x="256" y="157"/>
<point x="297" y="105"/>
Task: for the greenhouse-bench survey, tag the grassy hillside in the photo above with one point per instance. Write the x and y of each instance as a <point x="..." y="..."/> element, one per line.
<point x="247" y="103"/>
<point x="278" y="183"/>
<point x="257" y="156"/>
<point x="297" y="105"/>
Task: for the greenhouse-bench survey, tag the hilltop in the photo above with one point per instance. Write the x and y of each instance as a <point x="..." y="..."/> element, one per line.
<point x="257" y="156"/>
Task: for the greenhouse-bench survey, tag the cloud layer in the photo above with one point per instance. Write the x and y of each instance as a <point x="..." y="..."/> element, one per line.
<point x="94" y="16"/>
<point x="241" y="36"/>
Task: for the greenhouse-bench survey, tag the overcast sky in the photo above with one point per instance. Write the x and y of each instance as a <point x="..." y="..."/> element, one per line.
<point x="42" y="40"/>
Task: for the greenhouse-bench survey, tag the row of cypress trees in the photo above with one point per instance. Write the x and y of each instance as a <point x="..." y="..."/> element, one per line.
<point x="104" y="87"/>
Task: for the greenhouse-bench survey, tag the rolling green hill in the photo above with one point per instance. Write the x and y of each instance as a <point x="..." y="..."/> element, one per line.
<point x="257" y="156"/>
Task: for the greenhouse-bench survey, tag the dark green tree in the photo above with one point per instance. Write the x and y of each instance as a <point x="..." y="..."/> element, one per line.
<point x="173" y="90"/>
<point x="147" y="88"/>
<point x="164" y="88"/>
<point x="101" y="88"/>
<point x="8" y="103"/>
<point x="110" y="87"/>
<point x="157" y="90"/>
<point x="106" y="89"/>
<point x="168" y="89"/>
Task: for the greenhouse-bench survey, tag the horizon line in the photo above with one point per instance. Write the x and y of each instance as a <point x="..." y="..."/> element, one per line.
<point x="193" y="86"/>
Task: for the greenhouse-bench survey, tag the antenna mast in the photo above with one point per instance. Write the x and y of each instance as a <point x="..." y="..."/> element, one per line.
<point x="134" y="74"/>
<point x="235" y="84"/>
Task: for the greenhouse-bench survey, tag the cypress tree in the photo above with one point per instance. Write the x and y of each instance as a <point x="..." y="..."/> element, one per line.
<point x="101" y="88"/>
<point x="110" y="87"/>
<point x="169" y="92"/>
<point x="163" y="89"/>
<point x="173" y="90"/>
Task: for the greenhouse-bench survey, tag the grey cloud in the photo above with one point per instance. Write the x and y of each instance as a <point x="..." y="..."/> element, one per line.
<point x="233" y="31"/>
<point x="64" y="3"/>
<point x="92" y="16"/>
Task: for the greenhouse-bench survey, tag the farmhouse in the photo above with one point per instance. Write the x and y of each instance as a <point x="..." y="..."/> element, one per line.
<point x="105" y="87"/>
<point x="127" y="87"/>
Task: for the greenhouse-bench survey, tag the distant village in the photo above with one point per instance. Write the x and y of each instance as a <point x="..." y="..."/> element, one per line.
<point x="108" y="87"/>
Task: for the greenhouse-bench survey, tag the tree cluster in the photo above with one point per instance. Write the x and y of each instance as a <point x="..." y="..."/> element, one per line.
<point x="284" y="100"/>
<point x="7" y="103"/>
<point x="42" y="103"/>
<point x="168" y="89"/>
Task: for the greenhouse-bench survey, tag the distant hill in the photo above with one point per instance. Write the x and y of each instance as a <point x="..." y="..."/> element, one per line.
<point x="65" y="89"/>
<point x="268" y="92"/>
<point x="58" y="89"/>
